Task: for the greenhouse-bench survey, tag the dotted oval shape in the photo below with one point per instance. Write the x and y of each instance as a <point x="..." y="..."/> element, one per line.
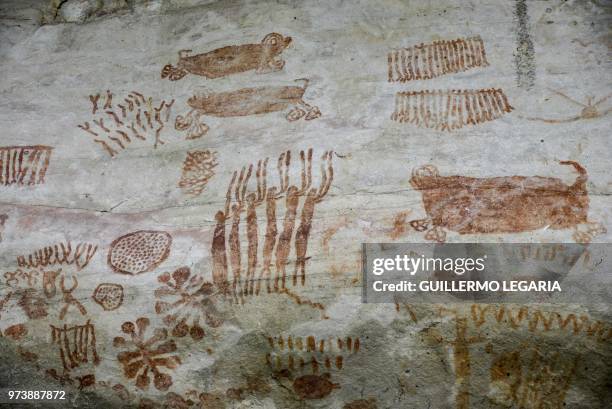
<point x="109" y="296"/>
<point x="139" y="252"/>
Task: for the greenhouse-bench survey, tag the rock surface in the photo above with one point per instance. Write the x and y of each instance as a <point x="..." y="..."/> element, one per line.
<point x="137" y="177"/>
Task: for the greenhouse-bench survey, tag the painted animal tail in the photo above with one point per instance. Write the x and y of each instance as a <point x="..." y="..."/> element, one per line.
<point x="304" y="80"/>
<point x="580" y="183"/>
<point x="173" y="74"/>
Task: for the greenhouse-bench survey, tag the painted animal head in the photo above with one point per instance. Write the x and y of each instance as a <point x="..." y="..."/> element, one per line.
<point x="423" y="176"/>
<point x="276" y="42"/>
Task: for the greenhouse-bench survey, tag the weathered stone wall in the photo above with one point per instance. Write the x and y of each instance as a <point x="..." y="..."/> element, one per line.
<point x="187" y="231"/>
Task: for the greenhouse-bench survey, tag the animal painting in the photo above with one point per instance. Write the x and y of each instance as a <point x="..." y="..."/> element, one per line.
<point x="245" y="102"/>
<point x="263" y="57"/>
<point x="507" y="204"/>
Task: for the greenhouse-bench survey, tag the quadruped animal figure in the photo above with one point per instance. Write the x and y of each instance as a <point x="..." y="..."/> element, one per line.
<point x="263" y="57"/>
<point x="507" y="204"/>
<point x="244" y="102"/>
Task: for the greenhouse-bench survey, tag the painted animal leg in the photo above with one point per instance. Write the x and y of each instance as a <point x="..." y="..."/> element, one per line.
<point x="191" y="123"/>
<point x="420" y="225"/>
<point x="437" y="234"/>
<point x="295" y="114"/>
<point x="312" y="112"/>
<point x="275" y="64"/>
<point x="172" y="73"/>
<point x="585" y="232"/>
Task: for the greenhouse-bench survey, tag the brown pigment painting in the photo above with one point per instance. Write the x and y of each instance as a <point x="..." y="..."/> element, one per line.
<point x="200" y="201"/>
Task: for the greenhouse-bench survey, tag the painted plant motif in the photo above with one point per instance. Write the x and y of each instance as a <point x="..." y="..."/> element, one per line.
<point x="450" y="109"/>
<point x="190" y="303"/>
<point x="275" y="247"/>
<point x="263" y="57"/>
<point x="135" y="117"/>
<point x="198" y="169"/>
<point x="147" y="354"/>
<point x="245" y="102"/>
<point x="507" y="204"/>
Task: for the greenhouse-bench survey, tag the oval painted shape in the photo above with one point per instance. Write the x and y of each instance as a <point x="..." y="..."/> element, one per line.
<point x="139" y="252"/>
<point x="16" y="332"/>
<point x="109" y="296"/>
<point x="313" y="386"/>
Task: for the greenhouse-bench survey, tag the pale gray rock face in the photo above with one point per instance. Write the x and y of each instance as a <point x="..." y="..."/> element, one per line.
<point x="77" y="11"/>
<point x="183" y="228"/>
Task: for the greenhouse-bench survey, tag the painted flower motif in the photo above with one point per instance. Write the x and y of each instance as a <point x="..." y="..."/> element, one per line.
<point x="190" y="300"/>
<point x="148" y="356"/>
